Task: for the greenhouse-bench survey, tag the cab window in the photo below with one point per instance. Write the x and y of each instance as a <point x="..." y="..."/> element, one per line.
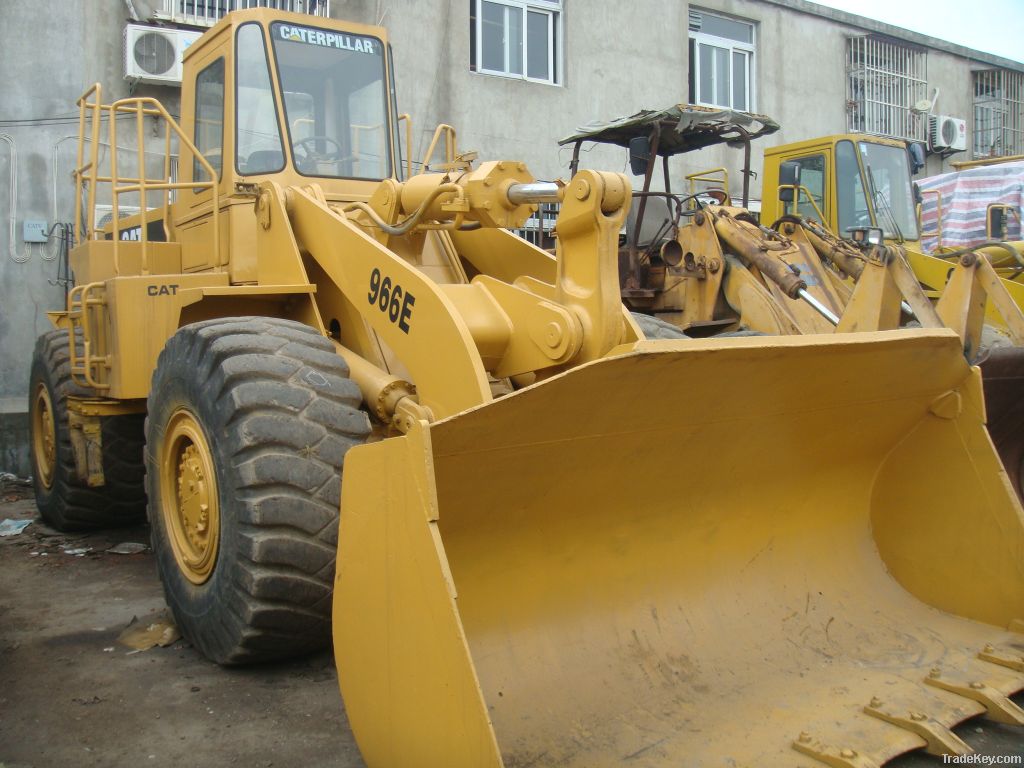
<point x="258" y="144"/>
<point x="812" y="179"/>
<point x="209" y="128"/>
<point x="853" y="204"/>
<point x="335" y="101"/>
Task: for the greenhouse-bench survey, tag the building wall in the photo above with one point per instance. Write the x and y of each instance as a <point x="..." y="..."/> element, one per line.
<point x="47" y="65"/>
<point x="607" y="73"/>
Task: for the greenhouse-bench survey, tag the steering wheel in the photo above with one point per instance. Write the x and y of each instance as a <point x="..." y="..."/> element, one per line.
<point x="309" y="153"/>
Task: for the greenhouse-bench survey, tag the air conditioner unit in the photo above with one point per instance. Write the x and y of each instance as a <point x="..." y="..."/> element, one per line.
<point x="948" y="133"/>
<point x="103" y="215"/>
<point x="153" y="54"/>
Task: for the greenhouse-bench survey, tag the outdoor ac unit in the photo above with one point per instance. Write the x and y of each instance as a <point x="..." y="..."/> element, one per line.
<point x="948" y="133"/>
<point x="104" y="214"/>
<point x="153" y="54"/>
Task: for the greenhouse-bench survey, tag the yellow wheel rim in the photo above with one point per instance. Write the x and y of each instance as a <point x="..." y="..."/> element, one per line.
<point x="44" y="435"/>
<point x="188" y="497"/>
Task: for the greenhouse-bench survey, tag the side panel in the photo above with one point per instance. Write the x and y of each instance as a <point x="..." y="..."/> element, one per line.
<point x="93" y="260"/>
<point x="143" y="313"/>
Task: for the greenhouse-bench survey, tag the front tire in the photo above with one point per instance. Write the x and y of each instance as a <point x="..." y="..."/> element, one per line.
<point x="249" y="422"/>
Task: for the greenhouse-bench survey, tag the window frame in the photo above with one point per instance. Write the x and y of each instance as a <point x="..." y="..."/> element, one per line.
<point x="552" y="9"/>
<point x="732" y="46"/>
<point x="386" y="101"/>
<point x="197" y="168"/>
<point x="802" y="206"/>
<point x="273" y="98"/>
<point x="885" y="77"/>
<point x="998" y="112"/>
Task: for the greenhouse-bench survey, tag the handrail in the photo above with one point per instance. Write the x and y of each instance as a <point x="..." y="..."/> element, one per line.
<point x="408" y="143"/>
<point x="708" y="178"/>
<point x="450" y="152"/>
<point x="81" y="310"/>
<point x="1010" y="209"/>
<point x="797" y="189"/>
<point x="87" y="174"/>
<point x="357" y="131"/>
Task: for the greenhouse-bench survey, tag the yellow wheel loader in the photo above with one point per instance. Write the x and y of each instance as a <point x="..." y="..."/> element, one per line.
<point x="534" y="565"/>
<point x="860" y="186"/>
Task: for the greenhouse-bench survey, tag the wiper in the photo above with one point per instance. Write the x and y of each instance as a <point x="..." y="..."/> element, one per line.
<point x="882" y="204"/>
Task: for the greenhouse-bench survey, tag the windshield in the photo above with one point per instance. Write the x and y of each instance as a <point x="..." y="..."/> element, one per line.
<point x="888" y="185"/>
<point x="335" y="101"/>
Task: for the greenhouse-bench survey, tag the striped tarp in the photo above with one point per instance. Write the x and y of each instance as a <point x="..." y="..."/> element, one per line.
<point x="966" y="196"/>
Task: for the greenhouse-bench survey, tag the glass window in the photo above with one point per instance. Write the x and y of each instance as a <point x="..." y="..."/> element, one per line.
<point x="852" y="202"/>
<point x="721" y="61"/>
<point x="209" y="128"/>
<point x="998" y="113"/>
<point x="888" y="184"/>
<point x="812" y="179"/>
<point x="885" y="79"/>
<point x="538" y="34"/>
<point x="335" y="101"/>
<point x="515" y="38"/>
<point x="258" y="146"/>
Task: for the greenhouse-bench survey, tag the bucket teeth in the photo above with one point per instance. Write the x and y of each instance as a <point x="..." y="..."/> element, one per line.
<point x="1003" y="658"/>
<point x="998" y="707"/>
<point x="939" y="740"/>
<point x="837" y="757"/>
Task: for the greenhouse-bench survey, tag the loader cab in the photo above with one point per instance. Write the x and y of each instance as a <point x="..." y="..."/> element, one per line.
<point x="289" y="97"/>
<point x="302" y="99"/>
<point x="849" y="182"/>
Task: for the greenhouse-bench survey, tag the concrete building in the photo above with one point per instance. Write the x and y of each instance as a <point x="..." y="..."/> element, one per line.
<point x="513" y="76"/>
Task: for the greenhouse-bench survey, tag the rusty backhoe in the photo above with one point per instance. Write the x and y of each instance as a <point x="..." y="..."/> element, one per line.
<point x="535" y="564"/>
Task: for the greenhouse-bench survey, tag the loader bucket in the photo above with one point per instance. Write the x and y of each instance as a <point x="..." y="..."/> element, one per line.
<point x="1003" y="375"/>
<point x="740" y="552"/>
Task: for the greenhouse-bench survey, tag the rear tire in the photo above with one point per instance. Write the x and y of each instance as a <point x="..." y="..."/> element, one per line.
<point x="65" y="502"/>
<point x="249" y="422"/>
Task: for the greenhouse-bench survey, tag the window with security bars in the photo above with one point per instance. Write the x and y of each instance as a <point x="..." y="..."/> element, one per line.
<point x="998" y="113"/>
<point x="884" y="79"/>
<point x="721" y="61"/>
<point x="206" y="13"/>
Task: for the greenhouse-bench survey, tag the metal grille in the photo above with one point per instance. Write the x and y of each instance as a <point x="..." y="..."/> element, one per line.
<point x="998" y="113"/>
<point x="884" y="80"/>
<point x="206" y="13"/>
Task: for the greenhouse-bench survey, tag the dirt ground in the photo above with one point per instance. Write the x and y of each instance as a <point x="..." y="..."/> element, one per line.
<point x="72" y="695"/>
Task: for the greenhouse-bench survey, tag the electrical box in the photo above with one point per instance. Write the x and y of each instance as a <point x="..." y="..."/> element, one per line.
<point x="34" y="231"/>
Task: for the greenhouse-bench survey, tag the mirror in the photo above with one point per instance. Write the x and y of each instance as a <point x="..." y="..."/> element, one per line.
<point x="997" y="229"/>
<point x="789" y="181"/>
<point x="639" y="155"/>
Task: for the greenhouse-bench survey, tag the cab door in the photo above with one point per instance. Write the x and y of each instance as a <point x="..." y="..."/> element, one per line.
<point x="205" y="106"/>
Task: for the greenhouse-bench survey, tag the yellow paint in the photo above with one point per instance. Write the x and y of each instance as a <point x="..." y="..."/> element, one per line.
<point x="507" y="580"/>
<point x="189" y="501"/>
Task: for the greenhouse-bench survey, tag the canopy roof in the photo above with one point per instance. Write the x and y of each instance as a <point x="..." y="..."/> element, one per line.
<point x="684" y="128"/>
